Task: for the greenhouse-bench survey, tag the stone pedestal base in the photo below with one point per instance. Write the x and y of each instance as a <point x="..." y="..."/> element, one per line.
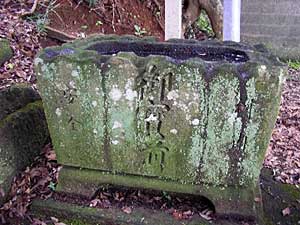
<point x="76" y="214"/>
<point x="228" y="202"/>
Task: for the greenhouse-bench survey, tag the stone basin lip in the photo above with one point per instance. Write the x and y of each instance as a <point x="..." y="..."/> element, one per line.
<point x="175" y="50"/>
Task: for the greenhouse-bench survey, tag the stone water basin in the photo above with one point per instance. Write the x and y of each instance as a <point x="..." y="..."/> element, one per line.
<point x="182" y="116"/>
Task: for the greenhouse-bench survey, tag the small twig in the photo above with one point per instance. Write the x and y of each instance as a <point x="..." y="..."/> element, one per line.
<point x="113" y="19"/>
<point x="161" y="24"/>
<point x="32" y="10"/>
<point x="77" y="4"/>
<point x="102" y="17"/>
<point x="120" y="14"/>
<point x="59" y="17"/>
<point x="157" y="4"/>
<point x="160" y="9"/>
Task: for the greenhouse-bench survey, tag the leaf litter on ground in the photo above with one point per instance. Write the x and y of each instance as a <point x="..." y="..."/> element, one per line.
<point x="30" y="184"/>
<point x="283" y="155"/>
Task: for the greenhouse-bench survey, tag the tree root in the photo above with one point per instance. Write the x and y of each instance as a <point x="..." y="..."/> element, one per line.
<point x="32" y="10"/>
<point x="59" y="35"/>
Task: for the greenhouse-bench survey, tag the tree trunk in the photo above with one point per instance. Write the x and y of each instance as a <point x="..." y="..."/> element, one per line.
<point x="213" y="8"/>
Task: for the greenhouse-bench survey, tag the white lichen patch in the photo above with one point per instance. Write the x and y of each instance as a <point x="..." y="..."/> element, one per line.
<point x="263" y="67"/>
<point x="115" y="94"/>
<point x="151" y="118"/>
<point x="94" y="103"/>
<point x="263" y="72"/>
<point x="129" y="83"/>
<point x="115" y="142"/>
<point x="72" y="84"/>
<point x="231" y="118"/>
<point x="58" y="112"/>
<point x="183" y="106"/>
<point x="188" y="117"/>
<point x="195" y="122"/>
<point x="150" y="68"/>
<point x="60" y="86"/>
<point x="74" y="73"/>
<point x="117" y="125"/>
<point x="97" y="90"/>
<point x="44" y="68"/>
<point x="38" y="61"/>
<point x="173" y="131"/>
<point x="130" y="95"/>
<point x="172" y="95"/>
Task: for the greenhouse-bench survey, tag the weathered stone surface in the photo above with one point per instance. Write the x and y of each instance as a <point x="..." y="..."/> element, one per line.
<point x="5" y="51"/>
<point x="195" y="114"/>
<point x="23" y="131"/>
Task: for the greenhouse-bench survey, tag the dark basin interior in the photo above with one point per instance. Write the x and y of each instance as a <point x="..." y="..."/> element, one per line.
<point x="173" y="50"/>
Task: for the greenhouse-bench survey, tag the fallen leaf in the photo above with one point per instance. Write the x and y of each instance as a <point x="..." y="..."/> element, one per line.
<point x="127" y="210"/>
<point x="286" y="211"/>
<point x="95" y="202"/>
<point x="54" y="219"/>
<point x="257" y="199"/>
<point x="206" y="214"/>
<point x="177" y="215"/>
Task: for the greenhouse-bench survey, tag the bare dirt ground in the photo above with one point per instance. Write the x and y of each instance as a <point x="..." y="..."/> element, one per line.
<point x="118" y="17"/>
<point x="283" y="155"/>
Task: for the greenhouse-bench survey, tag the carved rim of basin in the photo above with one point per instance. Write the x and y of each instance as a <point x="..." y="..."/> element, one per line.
<point x="173" y="50"/>
<point x="177" y="51"/>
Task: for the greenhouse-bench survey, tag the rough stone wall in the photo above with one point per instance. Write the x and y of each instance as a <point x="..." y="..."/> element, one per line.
<point x="276" y="23"/>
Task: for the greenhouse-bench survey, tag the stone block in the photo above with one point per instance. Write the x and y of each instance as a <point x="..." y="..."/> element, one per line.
<point x="23" y="132"/>
<point x="181" y="116"/>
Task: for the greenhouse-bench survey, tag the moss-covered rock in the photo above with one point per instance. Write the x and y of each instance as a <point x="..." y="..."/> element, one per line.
<point x="23" y="131"/>
<point x="5" y="51"/>
<point x="198" y="114"/>
<point x="15" y="98"/>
